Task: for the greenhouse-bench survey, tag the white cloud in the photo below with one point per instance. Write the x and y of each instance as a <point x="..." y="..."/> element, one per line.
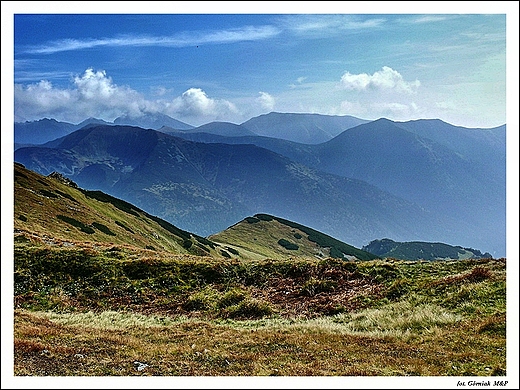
<point x="326" y="24"/>
<point x="266" y="101"/>
<point x="429" y="19"/>
<point x="185" y="39"/>
<point x="195" y="103"/>
<point x="384" y="79"/>
<point x="94" y="94"/>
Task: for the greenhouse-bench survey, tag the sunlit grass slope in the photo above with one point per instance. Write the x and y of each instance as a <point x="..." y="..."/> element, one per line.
<point x="53" y="210"/>
<point x="267" y="236"/>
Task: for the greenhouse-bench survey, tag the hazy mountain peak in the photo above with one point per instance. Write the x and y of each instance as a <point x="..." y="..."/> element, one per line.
<point x="152" y="121"/>
<point x="301" y="127"/>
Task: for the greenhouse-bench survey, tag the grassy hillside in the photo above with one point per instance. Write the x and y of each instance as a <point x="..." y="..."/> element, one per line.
<point x="53" y="210"/>
<point x="417" y="250"/>
<point x="267" y="236"/>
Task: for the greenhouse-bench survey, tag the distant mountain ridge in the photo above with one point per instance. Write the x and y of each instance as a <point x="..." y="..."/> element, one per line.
<point x="152" y="121"/>
<point x="445" y="169"/>
<point x="45" y="130"/>
<point x="422" y="250"/>
<point x="302" y="128"/>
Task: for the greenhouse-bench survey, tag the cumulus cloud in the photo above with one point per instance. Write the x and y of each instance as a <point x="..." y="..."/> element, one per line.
<point x="384" y="79"/>
<point x="266" y="101"/>
<point x="195" y="103"/>
<point x="94" y="94"/>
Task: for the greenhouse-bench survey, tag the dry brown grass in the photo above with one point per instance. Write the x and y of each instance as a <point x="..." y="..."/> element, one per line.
<point x="205" y="348"/>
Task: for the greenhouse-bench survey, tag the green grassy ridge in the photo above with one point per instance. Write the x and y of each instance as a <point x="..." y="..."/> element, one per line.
<point x="337" y="248"/>
<point x="55" y="207"/>
<point x="418" y="250"/>
<point x="259" y="235"/>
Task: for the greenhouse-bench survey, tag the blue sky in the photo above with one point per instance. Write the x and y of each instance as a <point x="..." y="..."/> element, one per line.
<point x="229" y="65"/>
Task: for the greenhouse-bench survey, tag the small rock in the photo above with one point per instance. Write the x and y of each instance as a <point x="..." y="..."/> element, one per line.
<point x="140" y="366"/>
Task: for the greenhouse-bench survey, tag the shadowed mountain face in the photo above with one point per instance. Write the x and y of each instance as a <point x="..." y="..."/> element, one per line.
<point x="205" y="188"/>
<point x="46" y="130"/>
<point x="463" y="178"/>
<point x="448" y="170"/>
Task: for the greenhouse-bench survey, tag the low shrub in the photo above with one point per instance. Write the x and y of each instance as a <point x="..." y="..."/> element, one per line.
<point x="65" y="195"/>
<point x="315" y="286"/>
<point x="288" y="245"/>
<point x="103" y="228"/>
<point x="124" y="227"/>
<point x="48" y="194"/>
<point x="74" y="222"/>
<point x="231" y="297"/>
<point x="204" y="299"/>
<point x="248" y="309"/>
<point x="233" y="251"/>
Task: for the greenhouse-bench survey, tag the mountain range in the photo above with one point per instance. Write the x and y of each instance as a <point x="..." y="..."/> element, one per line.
<point x="421" y="180"/>
<point x="456" y="171"/>
<point x="301" y="128"/>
